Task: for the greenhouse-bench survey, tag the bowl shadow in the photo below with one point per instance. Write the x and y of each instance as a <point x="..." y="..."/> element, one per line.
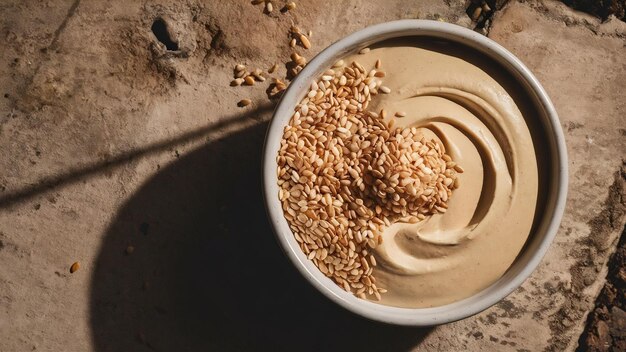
<point x="207" y="273"/>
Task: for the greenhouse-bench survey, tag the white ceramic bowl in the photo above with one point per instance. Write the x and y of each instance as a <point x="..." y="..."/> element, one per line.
<point x="546" y="222"/>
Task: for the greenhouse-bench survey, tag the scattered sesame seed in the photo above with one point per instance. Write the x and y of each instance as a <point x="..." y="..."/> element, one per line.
<point x="244" y="102"/>
<point x="74" y="267"/>
<point x="249" y="80"/>
<point x="290" y="6"/>
<point x="236" y="82"/>
<point x="305" y="41"/>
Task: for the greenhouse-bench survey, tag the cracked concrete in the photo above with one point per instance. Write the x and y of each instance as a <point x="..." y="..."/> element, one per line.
<point x="108" y="141"/>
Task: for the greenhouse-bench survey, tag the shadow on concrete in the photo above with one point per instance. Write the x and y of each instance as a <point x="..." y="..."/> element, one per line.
<point x="81" y="172"/>
<point x="206" y="272"/>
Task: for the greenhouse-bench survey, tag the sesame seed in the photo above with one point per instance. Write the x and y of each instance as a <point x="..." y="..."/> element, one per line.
<point x="74" y="267"/>
<point x="476" y="14"/>
<point x="244" y="102"/>
<point x="236" y="82"/>
<point x="305" y="41"/>
<point x="338" y="64"/>
<point x="249" y="80"/>
<point x="290" y="6"/>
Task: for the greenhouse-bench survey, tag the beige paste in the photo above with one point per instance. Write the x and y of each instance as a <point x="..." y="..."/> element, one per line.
<point x="449" y="257"/>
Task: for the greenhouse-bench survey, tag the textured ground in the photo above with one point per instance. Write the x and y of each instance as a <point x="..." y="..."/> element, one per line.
<point x="107" y="142"/>
<point x="600" y="8"/>
<point x="606" y="324"/>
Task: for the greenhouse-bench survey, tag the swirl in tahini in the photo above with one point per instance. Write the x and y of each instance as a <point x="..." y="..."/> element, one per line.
<point x="451" y="256"/>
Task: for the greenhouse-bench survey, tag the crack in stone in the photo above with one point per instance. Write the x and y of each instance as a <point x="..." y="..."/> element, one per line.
<point x="481" y="13"/>
<point x="585" y="270"/>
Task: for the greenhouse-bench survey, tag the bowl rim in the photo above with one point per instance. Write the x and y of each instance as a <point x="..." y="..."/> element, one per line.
<point x="544" y="233"/>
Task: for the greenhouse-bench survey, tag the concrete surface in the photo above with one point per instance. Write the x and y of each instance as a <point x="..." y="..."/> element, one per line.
<point x="106" y="143"/>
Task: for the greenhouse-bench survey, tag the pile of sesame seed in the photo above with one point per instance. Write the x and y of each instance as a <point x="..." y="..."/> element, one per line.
<point x="298" y="37"/>
<point x="344" y="174"/>
<point x="244" y="77"/>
